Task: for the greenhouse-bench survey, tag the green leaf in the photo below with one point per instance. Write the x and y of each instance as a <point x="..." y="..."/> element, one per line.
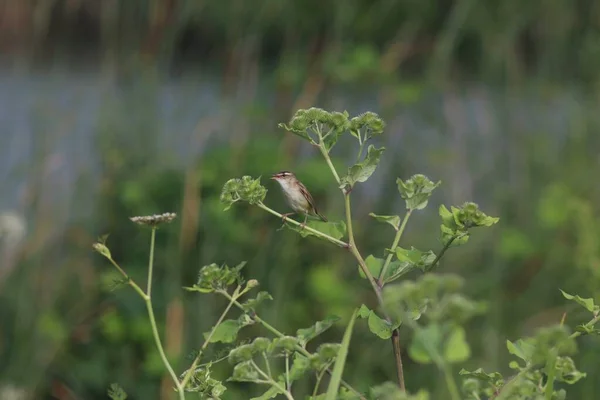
<point x="587" y="303"/>
<point x="364" y="311"/>
<point x="360" y="172"/>
<point x="366" y="125"/>
<point x="307" y="334"/>
<point x="494" y="378"/>
<point x="340" y="361"/>
<point x="393" y="220"/>
<point x="379" y="326"/>
<point x="457" y="221"/>
<point x="416" y="191"/>
<point x="252" y="304"/>
<point x="391" y="391"/>
<point x="226" y="332"/>
<point x="244" y="372"/>
<point x="374" y="265"/>
<point x="566" y="371"/>
<point x="269" y="394"/>
<point x="424" y="348"/>
<point x="336" y="230"/>
<point x="587" y="330"/>
<point x="417" y="258"/>
<point x="456" y="348"/>
<point x="397" y="270"/>
<point x="299" y="367"/>
<point x="244" y="189"/>
<point x="116" y="392"/>
<point x="521" y="349"/>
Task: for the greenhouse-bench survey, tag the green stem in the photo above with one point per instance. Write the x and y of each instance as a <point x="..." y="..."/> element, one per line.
<point x="318" y="383"/>
<point x="388" y="260"/>
<point x="442" y="252"/>
<point x="551" y="373"/>
<point x="329" y="163"/>
<point x="308" y="228"/>
<point x="287" y="372"/>
<point x="180" y="390"/>
<point x="377" y="290"/>
<point x="267" y="365"/>
<point x="271" y="381"/>
<point x="130" y="281"/>
<point x="277" y="333"/>
<point x="356" y="253"/>
<point x="192" y="368"/>
<point x="450" y="383"/>
<point x="151" y="262"/>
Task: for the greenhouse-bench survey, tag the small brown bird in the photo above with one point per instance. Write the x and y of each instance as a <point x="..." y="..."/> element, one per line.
<point x="297" y="196"/>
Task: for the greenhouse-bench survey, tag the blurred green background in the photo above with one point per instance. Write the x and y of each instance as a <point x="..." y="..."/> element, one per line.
<point x="110" y="109"/>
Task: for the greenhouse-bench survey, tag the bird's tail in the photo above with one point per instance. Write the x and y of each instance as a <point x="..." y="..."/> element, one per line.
<point x="322" y="217"/>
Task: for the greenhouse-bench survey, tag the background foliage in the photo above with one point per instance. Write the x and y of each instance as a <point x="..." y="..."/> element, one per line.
<point x="113" y="109"/>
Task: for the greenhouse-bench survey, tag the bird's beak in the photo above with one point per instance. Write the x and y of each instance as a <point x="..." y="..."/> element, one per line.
<point x="274" y="176"/>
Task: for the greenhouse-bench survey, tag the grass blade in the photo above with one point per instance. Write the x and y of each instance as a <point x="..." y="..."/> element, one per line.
<point x="340" y="361"/>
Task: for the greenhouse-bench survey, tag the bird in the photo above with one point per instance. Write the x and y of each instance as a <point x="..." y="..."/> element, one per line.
<point x="297" y="196"/>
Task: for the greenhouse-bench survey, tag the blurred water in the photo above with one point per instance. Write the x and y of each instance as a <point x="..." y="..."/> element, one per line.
<point x="54" y="117"/>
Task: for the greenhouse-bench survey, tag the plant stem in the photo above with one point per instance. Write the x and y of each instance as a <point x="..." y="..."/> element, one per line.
<point x="308" y="228"/>
<point x="452" y="388"/>
<point x="377" y="290"/>
<point x="151" y="262"/>
<point x="148" y="300"/>
<point x="329" y="163"/>
<point x="356" y="253"/>
<point x="190" y="371"/>
<point x="388" y="260"/>
<point x="161" y="351"/>
<point x="130" y="281"/>
<point x="442" y="252"/>
<point x="287" y="372"/>
<point x="271" y="381"/>
<point x="318" y="383"/>
<point x="277" y="333"/>
<point x="551" y="373"/>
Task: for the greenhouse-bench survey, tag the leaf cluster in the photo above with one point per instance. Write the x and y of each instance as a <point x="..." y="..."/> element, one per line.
<point x="242" y="189"/>
<point x="457" y="221"/>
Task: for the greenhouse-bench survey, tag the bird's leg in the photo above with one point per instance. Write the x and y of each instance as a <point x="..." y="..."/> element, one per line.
<point x="284" y="216"/>
<point x="303" y="225"/>
<point x="283" y="219"/>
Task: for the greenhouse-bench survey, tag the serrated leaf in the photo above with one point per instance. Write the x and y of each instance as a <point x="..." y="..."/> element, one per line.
<point x="416" y="191"/>
<point x="300" y="366"/>
<point x="494" y="378"/>
<point x="456" y="348"/>
<point x="116" y="392"/>
<point x="252" y="304"/>
<point x="244" y="372"/>
<point x="417" y="258"/>
<point x="360" y="172"/>
<point x="393" y="220"/>
<point x="307" y="334"/>
<point x="587" y="303"/>
<point x="269" y="394"/>
<point x="521" y="349"/>
<point x="587" y="330"/>
<point x="226" y="332"/>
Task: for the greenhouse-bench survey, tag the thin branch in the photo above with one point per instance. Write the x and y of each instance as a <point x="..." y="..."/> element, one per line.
<point x="192" y="368"/>
<point x="388" y="260"/>
<point x="308" y="228"/>
<point x="274" y="331"/>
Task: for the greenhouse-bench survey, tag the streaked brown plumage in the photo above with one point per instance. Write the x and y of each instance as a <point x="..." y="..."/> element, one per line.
<point x="297" y="195"/>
